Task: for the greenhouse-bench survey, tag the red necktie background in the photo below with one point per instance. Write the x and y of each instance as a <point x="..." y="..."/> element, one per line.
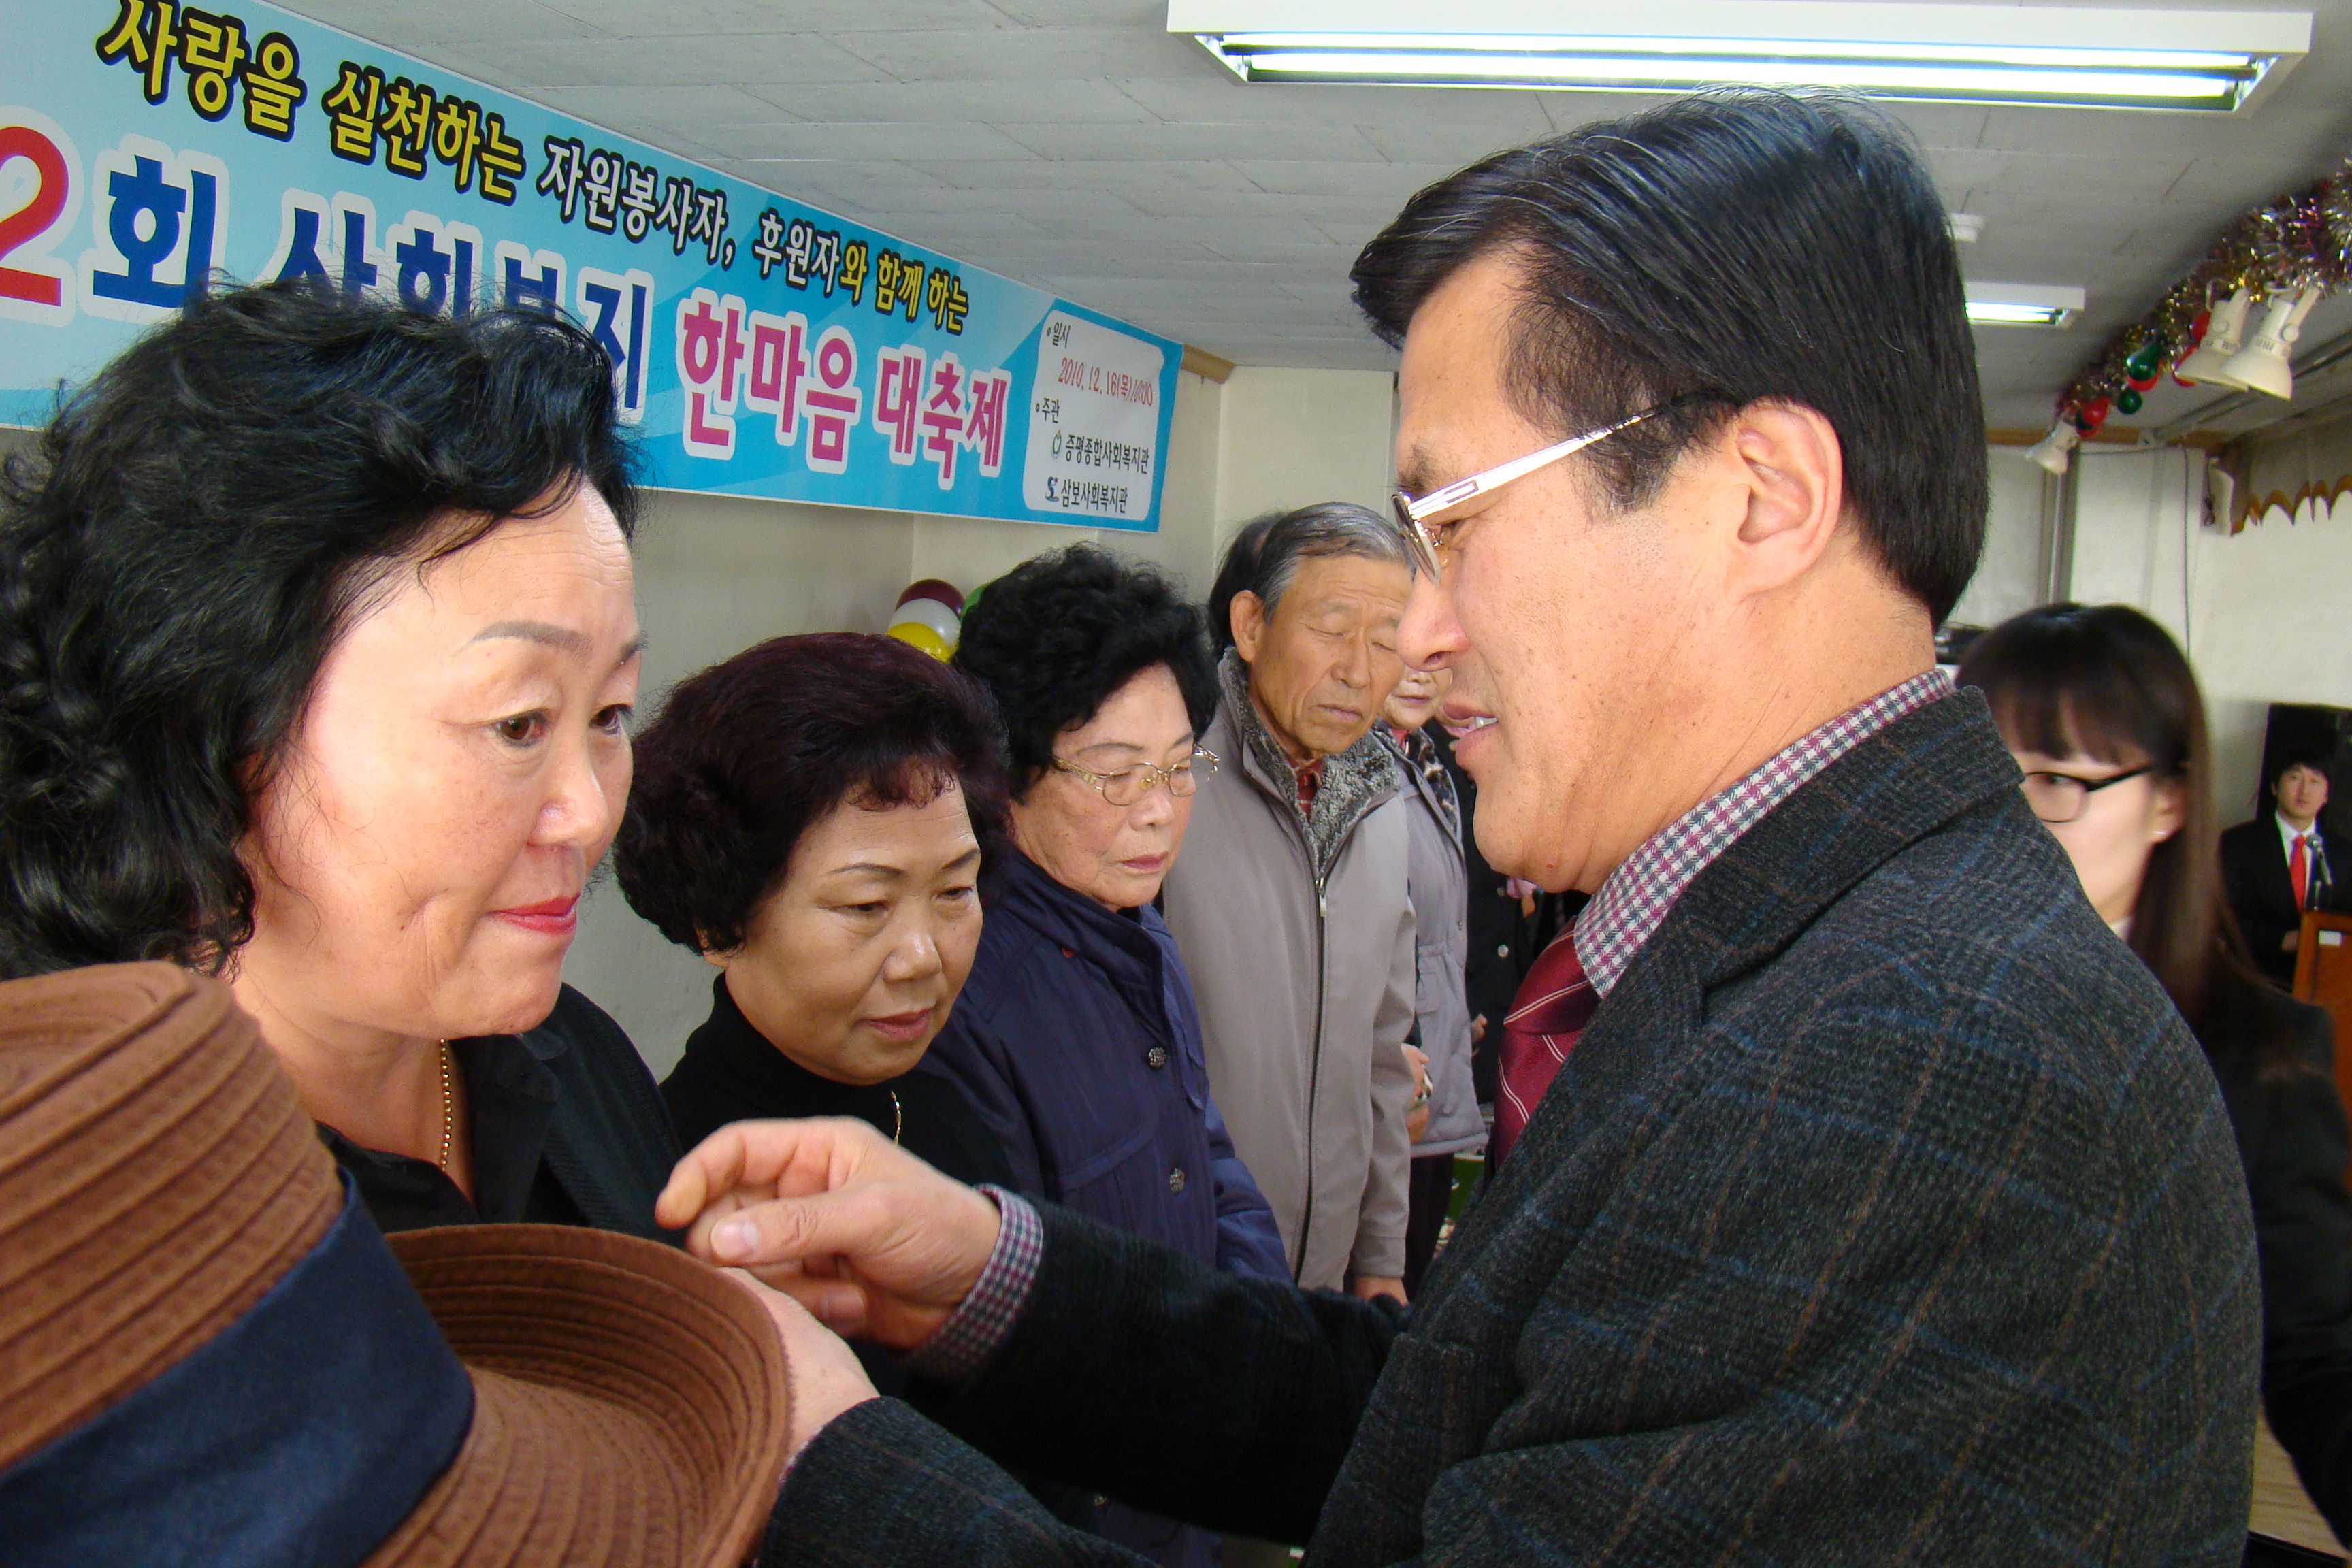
<point x="2298" y="870"/>
<point x="1553" y="1005"/>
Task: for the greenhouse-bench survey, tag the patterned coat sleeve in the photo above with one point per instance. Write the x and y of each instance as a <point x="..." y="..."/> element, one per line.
<point x="1238" y="1421"/>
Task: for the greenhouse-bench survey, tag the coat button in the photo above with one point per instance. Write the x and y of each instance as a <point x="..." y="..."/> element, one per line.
<point x="1157" y="1057"/>
<point x="1176" y="1179"/>
<point x="1504" y="951"/>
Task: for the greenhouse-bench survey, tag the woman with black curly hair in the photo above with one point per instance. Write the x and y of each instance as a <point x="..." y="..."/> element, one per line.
<point x="1078" y="1038"/>
<point x="811" y="816"/>
<point x="317" y="647"/>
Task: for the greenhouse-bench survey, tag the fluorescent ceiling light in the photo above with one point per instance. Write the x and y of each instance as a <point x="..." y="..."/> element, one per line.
<point x="2022" y="305"/>
<point x="1961" y="53"/>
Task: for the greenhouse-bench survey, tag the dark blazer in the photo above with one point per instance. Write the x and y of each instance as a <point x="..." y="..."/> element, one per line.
<point x="1886" y="1212"/>
<point x="2261" y="895"/>
<point x="730" y="1072"/>
<point x="1076" y="1042"/>
<point x="568" y="1129"/>
<point x="2292" y="1137"/>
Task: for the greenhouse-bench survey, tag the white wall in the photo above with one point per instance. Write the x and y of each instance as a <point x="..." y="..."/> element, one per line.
<point x="2271" y="625"/>
<point x="1292" y="437"/>
<point x="2261" y="613"/>
<point x="2010" y="575"/>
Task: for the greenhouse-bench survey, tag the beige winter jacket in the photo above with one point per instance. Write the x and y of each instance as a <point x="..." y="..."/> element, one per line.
<point x="1299" y="935"/>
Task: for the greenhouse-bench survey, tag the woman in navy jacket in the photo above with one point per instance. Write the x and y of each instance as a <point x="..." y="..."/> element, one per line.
<point x="1076" y="1036"/>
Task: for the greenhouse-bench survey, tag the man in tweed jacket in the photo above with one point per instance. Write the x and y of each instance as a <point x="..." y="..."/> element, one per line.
<point x="1883" y="1212"/>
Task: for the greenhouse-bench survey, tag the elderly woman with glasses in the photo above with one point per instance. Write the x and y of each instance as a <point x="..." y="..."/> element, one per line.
<point x="1076" y="1037"/>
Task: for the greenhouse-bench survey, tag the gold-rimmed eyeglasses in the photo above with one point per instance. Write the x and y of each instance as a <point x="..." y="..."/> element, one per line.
<point x="1129" y="786"/>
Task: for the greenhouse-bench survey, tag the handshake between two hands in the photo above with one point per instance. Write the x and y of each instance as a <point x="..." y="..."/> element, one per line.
<point x="839" y="1231"/>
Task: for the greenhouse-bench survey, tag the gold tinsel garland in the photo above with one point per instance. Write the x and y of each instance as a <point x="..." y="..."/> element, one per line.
<point x="2302" y="241"/>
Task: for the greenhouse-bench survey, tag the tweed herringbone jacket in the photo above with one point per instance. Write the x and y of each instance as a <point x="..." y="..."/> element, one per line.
<point x="1885" y="1212"/>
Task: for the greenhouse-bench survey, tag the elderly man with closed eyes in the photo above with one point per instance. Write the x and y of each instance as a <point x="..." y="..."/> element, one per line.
<point x="1290" y="902"/>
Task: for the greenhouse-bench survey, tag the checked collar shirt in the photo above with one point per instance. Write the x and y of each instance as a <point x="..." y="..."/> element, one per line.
<point x="1626" y="912"/>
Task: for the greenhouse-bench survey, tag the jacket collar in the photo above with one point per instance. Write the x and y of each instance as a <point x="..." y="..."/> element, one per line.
<point x="740" y="1060"/>
<point x="1118" y="942"/>
<point x="1354" y="781"/>
<point x="1892" y="790"/>
<point x="1420" y="769"/>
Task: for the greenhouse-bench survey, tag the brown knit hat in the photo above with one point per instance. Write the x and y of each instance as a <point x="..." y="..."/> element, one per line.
<point x="168" y="1214"/>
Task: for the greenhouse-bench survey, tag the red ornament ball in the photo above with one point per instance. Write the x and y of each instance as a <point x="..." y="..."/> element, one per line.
<point x="934" y="588"/>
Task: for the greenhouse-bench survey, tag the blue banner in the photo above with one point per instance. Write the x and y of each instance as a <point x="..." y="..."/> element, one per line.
<point x="761" y="347"/>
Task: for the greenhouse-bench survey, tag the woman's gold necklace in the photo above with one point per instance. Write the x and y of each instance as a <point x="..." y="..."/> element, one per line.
<point x="897" y="1117"/>
<point x="448" y="1108"/>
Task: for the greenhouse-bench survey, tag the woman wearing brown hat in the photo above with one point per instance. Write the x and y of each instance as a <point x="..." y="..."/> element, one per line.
<point x="316" y="650"/>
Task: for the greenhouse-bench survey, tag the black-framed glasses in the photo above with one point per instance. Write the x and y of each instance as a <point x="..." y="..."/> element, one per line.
<point x="2061" y="797"/>
<point x="1130" y="785"/>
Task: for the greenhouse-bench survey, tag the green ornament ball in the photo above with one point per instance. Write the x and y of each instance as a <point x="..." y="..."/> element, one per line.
<point x="2128" y="401"/>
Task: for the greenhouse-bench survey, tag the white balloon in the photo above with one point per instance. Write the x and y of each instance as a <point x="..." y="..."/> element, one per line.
<point x="932" y="614"/>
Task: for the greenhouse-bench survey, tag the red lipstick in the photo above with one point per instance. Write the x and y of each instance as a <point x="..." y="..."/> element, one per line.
<point x="550" y="916"/>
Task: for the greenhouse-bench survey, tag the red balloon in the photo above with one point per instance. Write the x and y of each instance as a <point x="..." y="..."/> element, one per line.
<point x="934" y="588"/>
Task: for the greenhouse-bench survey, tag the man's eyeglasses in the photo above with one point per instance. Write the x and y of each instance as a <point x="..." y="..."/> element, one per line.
<point x="1129" y="786"/>
<point x="2061" y="797"/>
<point x="1418" y="519"/>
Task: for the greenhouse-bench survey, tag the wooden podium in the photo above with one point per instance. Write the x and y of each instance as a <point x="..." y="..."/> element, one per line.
<point x="2323" y="975"/>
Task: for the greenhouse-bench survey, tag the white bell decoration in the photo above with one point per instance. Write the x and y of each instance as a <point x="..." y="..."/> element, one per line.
<point x="2262" y="365"/>
<point x="2220" y="341"/>
<point x="2049" y="452"/>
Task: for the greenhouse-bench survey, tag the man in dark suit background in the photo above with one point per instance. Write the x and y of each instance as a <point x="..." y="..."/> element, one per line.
<point x="2278" y="865"/>
<point x="1856" y="1197"/>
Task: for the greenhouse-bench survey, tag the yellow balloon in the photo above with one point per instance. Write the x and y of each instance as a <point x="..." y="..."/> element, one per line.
<point x="914" y="634"/>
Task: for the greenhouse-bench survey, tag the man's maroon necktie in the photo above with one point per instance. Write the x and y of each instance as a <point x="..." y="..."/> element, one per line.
<point x="1551" y="1008"/>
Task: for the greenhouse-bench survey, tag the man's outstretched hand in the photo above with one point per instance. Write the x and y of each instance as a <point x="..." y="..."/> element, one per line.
<point x="870" y="1240"/>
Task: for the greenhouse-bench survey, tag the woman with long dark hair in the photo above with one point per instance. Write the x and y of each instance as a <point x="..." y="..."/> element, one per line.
<point x="2103" y="715"/>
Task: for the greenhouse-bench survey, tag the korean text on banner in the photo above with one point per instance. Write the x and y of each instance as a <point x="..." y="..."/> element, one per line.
<point x="150" y="150"/>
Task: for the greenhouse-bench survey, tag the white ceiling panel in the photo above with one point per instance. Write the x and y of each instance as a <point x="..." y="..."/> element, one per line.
<point x="1077" y="102"/>
<point x="1076" y="144"/>
<point x="752" y="58"/>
